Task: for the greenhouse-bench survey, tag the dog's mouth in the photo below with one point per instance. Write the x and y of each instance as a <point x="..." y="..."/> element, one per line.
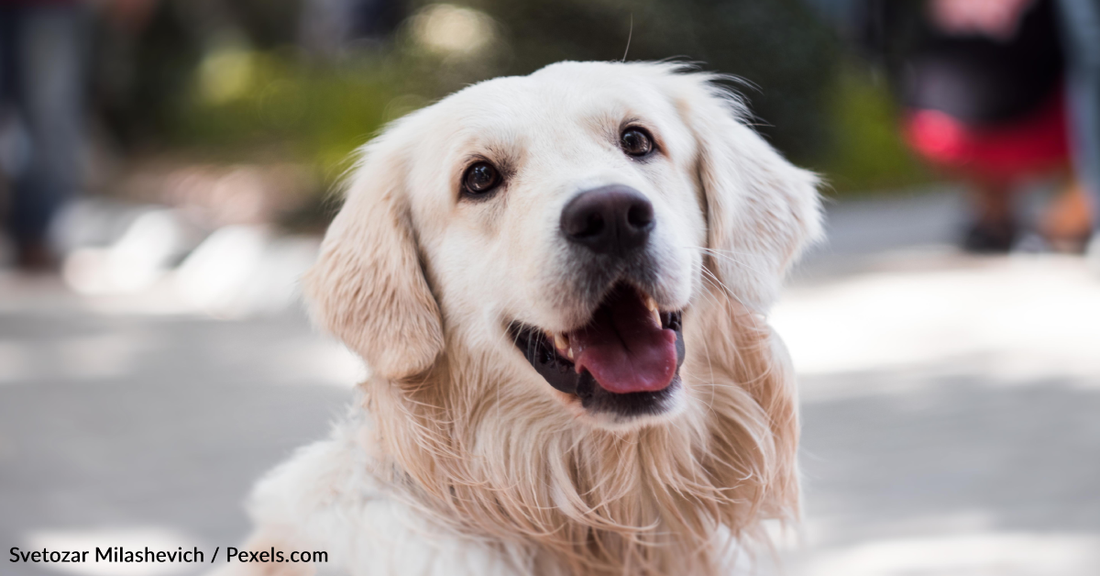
<point x="625" y="359"/>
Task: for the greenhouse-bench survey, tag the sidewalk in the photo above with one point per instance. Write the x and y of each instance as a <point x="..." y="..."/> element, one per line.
<point x="950" y="408"/>
<point x="950" y="403"/>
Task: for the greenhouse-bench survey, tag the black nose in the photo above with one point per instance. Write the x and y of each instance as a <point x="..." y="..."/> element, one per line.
<point x="612" y="219"/>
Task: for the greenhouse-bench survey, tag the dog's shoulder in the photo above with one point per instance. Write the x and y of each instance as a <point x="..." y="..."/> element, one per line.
<point x="329" y="497"/>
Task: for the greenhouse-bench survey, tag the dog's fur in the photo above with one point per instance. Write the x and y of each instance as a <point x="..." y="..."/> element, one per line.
<point x="459" y="458"/>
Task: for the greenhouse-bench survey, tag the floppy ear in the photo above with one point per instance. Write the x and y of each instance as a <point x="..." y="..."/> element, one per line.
<point x="761" y="210"/>
<point x="367" y="286"/>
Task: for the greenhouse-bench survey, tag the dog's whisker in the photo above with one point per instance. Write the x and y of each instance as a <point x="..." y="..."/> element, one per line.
<point x="732" y="257"/>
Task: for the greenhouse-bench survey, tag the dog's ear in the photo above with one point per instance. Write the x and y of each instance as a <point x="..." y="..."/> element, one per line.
<point x="761" y="211"/>
<point x="367" y="286"/>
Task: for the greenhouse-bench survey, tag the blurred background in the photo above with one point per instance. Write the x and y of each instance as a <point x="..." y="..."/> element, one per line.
<point x="167" y="168"/>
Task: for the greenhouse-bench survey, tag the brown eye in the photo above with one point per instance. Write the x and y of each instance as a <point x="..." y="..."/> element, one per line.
<point x="636" y="142"/>
<point x="480" y="179"/>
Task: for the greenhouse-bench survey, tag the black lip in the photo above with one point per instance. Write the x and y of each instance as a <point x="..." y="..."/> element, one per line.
<point x="560" y="372"/>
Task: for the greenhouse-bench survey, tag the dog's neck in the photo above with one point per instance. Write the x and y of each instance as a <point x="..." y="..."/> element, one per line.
<point x="488" y="460"/>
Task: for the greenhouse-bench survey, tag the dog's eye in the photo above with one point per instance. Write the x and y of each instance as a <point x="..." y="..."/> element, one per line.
<point x="480" y="178"/>
<point x="636" y="142"/>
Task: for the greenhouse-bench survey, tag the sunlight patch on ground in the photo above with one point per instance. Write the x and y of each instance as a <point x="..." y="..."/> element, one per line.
<point x="1013" y="319"/>
<point x="976" y="554"/>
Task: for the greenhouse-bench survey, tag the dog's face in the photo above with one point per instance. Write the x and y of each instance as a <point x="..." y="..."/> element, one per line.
<point x="564" y="225"/>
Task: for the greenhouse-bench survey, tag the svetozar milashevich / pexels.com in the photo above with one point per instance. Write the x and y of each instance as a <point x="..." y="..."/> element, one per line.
<point x="122" y="555"/>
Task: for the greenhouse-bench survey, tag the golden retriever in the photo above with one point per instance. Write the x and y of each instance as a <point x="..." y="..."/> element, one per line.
<point x="559" y="283"/>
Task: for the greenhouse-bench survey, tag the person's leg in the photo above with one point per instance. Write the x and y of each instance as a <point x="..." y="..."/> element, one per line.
<point x="993" y="228"/>
<point x="9" y="136"/>
<point x="1081" y="30"/>
<point x="49" y="60"/>
<point x="1066" y="224"/>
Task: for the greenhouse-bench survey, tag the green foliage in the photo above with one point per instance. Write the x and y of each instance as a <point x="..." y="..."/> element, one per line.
<point x="250" y="95"/>
<point x="867" y="151"/>
<point x="776" y="45"/>
<point x="289" y="108"/>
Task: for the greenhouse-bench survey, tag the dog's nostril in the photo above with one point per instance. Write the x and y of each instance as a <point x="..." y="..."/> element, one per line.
<point x="640" y="215"/>
<point x="593" y="225"/>
<point x="609" y="220"/>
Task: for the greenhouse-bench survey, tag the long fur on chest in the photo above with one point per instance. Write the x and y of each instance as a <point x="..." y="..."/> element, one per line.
<point x="499" y="464"/>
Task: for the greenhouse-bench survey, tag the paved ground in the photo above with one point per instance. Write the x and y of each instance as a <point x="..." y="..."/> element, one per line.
<point x="951" y="406"/>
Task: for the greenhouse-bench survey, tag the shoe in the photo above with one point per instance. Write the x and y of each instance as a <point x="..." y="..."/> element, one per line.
<point x="989" y="238"/>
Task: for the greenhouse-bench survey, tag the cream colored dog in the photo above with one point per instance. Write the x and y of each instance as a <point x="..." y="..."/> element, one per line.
<point x="559" y="283"/>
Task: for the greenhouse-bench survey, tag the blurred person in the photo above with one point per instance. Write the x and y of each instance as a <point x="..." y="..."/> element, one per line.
<point x="44" y="57"/>
<point x="983" y="87"/>
<point x="986" y="101"/>
<point x="42" y="90"/>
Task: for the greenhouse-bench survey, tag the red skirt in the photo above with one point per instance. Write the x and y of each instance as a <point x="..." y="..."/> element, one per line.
<point x="1006" y="152"/>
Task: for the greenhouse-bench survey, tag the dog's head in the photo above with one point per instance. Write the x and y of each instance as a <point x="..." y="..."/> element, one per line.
<point x="559" y="282"/>
<point x="566" y="224"/>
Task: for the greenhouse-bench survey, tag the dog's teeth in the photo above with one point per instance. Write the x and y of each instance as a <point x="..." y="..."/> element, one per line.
<point x="561" y="342"/>
<point x="651" y="304"/>
<point x="569" y="353"/>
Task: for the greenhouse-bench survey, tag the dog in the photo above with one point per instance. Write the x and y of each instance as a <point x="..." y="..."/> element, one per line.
<point x="559" y="283"/>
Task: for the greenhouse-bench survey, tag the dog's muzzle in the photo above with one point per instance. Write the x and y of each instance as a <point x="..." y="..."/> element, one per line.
<point x="625" y="359"/>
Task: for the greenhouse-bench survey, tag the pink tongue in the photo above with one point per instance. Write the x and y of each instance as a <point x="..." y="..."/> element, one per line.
<point x="624" y="346"/>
